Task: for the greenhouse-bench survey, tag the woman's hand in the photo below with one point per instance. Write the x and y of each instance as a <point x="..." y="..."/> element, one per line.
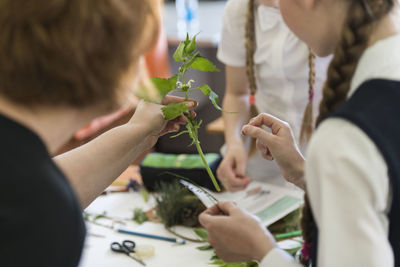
<point x="232" y="170"/>
<point x="149" y="119"/>
<point x="235" y="234"/>
<point x="279" y="145"/>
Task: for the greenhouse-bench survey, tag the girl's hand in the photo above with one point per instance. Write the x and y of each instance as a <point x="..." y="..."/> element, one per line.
<point x="231" y="171"/>
<point x="149" y="119"/>
<point x="279" y="145"/>
<point x="235" y="234"/>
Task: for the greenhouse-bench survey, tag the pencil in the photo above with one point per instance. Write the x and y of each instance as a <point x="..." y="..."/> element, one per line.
<point x="287" y="235"/>
<point x="169" y="239"/>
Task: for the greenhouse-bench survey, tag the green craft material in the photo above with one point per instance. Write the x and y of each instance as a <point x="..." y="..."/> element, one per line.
<point x="287" y="235"/>
<point x="190" y="58"/>
<point x="273" y="210"/>
<point x="160" y="160"/>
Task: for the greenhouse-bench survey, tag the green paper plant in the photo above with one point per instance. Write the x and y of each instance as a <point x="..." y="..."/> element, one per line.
<point x="190" y="58"/>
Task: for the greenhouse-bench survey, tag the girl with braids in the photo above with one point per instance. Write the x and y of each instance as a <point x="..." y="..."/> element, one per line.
<point x="268" y="69"/>
<point x="62" y="63"/>
<point x="351" y="215"/>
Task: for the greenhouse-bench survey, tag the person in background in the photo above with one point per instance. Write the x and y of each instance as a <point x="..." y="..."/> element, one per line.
<point x="268" y="69"/>
<point x="351" y="215"/>
<point x="63" y="63"/>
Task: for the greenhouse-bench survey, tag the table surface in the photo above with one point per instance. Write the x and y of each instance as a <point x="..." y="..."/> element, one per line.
<point x="97" y="249"/>
<point x="210" y="20"/>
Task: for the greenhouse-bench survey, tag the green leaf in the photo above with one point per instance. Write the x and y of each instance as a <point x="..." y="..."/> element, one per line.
<point x="191" y="46"/>
<point x="179" y="54"/>
<point x="202" y="233"/>
<point x="203" y="64"/>
<point x="205" y="247"/>
<point x="211" y="95"/>
<point x="100" y="216"/>
<point x="164" y="86"/>
<point x="179" y="134"/>
<point x="157" y="90"/>
<point x="184" y="68"/>
<point x="219" y="262"/>
<point x="216" y="260"/>
<point x="139" y="216"/>
<point x="174" y="110"/>
<point x="187" y="41"/>
<point x="145" y="194"/>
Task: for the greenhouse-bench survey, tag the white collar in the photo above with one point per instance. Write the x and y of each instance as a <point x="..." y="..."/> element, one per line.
<point x="380" y="61"/>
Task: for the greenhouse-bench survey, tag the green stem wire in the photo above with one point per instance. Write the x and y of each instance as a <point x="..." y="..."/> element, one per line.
<point x="195" y="137"/>
<point x="203" y="158"/>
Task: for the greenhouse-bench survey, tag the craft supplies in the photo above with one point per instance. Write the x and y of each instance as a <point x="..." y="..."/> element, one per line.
<point x="177" y="205"/>
<point x="288" y="235"/>
<point x="206" y="198"/>
<point x="169" y="239"/>
<point x="145" y="251"/>
<point x="128" y="248"/>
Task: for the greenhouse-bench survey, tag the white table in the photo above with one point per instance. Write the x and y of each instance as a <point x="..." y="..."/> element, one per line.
<point x="97" y="251"/>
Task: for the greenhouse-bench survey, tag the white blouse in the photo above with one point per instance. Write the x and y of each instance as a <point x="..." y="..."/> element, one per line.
<point x="348" y="183"/>
<point x="281" y="65"/>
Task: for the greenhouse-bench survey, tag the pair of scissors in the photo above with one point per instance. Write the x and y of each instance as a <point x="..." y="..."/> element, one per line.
<point x="128" y="248"/>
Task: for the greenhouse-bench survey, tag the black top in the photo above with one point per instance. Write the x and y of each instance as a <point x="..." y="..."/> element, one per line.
<point x="41" y="221"/>
<point x="375" y="109"/>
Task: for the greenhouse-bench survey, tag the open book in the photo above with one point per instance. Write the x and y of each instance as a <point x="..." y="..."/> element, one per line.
<point x="266" y="201"/>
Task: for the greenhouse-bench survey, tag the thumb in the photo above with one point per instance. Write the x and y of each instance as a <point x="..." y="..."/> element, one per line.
<point x="240" y="166"/>
<point x="227" y="207"/>
<point x="206" y="218"/>
<point x="258" y="133"/>
<point x="191" y="103"/>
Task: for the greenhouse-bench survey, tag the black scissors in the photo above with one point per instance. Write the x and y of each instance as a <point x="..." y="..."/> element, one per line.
<point x="128" y="248"/>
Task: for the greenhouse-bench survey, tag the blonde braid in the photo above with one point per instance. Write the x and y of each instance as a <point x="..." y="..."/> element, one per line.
<point x="250" y="36"/>
<point x="307" y="125"/>
<point x="361" y="17"/>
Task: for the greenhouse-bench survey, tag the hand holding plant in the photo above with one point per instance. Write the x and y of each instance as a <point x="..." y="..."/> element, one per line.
<point x="187" y="54"/>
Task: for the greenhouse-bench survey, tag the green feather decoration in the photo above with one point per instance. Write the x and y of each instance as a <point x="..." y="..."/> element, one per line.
<point x="177" y="205"/>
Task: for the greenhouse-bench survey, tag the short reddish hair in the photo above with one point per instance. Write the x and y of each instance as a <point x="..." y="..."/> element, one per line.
<point x="71" y="52"/>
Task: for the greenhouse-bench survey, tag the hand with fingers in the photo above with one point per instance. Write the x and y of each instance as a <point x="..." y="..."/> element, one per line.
<point x="232" y="170"/>
<point x="235" y="234"/>
<point x="149" y="118"/>
<point x="279" y="145"/>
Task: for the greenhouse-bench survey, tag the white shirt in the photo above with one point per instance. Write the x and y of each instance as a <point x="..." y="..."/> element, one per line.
<point x="348" y="183"/>
<point x="281" y="66"/>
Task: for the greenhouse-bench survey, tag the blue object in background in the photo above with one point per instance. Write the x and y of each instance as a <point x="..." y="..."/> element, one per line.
<point x="187" y="17"/>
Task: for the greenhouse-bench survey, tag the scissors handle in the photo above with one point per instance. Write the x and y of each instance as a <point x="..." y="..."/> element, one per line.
<point x="117" y="247"/>
<point x="129" y="245"/>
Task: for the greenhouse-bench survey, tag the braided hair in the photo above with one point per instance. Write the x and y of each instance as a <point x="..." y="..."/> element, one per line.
<point x="361" y="18"/>
<point x="250" y="37"/>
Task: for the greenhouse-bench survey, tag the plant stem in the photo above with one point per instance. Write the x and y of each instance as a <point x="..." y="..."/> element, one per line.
<point x="203" y="158"/>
